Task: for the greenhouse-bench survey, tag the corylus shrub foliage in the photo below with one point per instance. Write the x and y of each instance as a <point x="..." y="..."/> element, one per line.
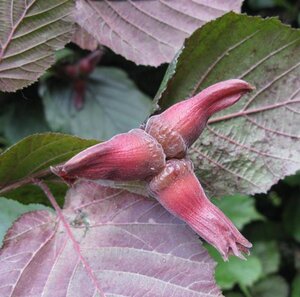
<point x="121" y="222"/>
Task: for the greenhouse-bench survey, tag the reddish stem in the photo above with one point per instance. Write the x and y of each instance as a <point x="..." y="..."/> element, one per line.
<point x="76" y="246"/>
<point x="79" y="93"/>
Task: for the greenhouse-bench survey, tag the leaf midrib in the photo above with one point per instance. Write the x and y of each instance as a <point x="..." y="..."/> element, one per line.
<point x="14" y="28"/>
<point x="249" y="111"/>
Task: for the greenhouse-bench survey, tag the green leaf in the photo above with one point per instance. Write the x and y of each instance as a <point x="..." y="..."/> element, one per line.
<point x="239" y="208"/>
<point x="32" y="194"/>
<point x="30" y="33"/>
<point x="24" y="117"/>
<point x="247" y="147"/>
<point x="112" y="104"/>
<point x="291" y="217"/>
<point x="235" y="271"/>
<point x="293" y="180"/>
<point x="65" y="55"/>
<point x="10" y="210"/>
<point x="34" y="154"/>
<point x="296" y="286"/>
<point x="274" y="198"/>
<point x="273" y="286"/>
<point x="268" y="253"/>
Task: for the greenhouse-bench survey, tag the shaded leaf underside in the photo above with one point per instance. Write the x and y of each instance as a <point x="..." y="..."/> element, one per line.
<point x="30" y="33"/>
<point x="148" y="32"/>
<point x="130" y="245"/>
<point x="251" y="145"/>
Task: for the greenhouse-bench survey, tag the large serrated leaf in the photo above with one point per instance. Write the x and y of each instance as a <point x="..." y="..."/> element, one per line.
<point x="30" y="33"/>
<point x="36" y="153"/>
<point x="250" y="146"/>
<point x="116" y="244"/>
<point x="148" y="32"/>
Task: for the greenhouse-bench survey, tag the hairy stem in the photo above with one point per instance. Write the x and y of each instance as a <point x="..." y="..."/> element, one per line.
<point x="24" y="181"/>
<point x="76" y="246"/>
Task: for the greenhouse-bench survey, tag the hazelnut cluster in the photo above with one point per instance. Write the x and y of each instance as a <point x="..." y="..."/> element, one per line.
<point x="157" y="154"/>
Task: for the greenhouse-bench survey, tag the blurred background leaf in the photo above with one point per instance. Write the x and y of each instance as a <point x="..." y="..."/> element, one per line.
<point x="274" y="286"/>
<point x="296" y="286"/>
<point x="112" y="104"/>
<point x="10" y="210"/>
<point x="268" y="254"/>
<point x="239" y="208"/>
<point x="235" y="271"/>
<point x="293" y="180"/>
<point x="23" y="118"/>
<point x="291" y="217"/>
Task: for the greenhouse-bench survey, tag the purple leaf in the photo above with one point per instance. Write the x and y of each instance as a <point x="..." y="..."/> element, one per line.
<point x="125" y="245"/>
<point x="30" y="33"/>
<point x="148" y="32"/>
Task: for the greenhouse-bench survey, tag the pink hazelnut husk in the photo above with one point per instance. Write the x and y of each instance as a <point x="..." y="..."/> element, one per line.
<point x="129" y="156"/>
<point x="180" y="125"/>
<point x="179" y="191"/>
